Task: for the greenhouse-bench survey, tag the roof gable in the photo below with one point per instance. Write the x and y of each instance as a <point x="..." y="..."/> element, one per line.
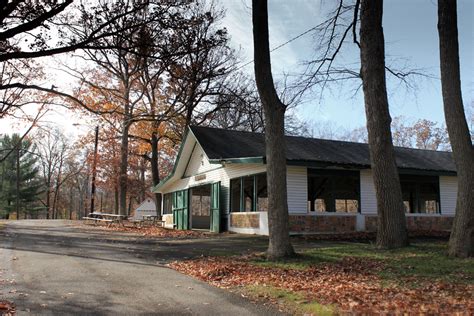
<point x="197" y="162"/>
<point x="146" y="205"/>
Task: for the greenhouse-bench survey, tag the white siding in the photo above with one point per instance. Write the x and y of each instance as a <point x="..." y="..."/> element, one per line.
<point x="448" y="190"/>
<point x="368" y="201"/>
<point x="218" y="173"/>
<point x="198" y="162"/>
<point x="297" y="186"/>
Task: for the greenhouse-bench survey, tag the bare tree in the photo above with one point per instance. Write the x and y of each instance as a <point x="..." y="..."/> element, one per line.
<point x="391" y="228"/>
<point x="278" y="218"/>
<point x="461" y="242"/>
<point x="50" y="150"/>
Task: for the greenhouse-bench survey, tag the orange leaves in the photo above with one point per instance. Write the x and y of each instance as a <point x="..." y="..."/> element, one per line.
<point x="7" y="308"/>
<point x="153" y="231"/>
<point x="353" y="285"/>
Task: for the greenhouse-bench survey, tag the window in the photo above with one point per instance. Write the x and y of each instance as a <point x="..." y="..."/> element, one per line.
<point x="235" y="186"/>
<point x="168" y="203"/>
<point x="333" y="191"/>
<point x="201" y="200"/>
<point x="249" y="193"/>
<point x="420" y="193"/>
<point x="262" y="194"/>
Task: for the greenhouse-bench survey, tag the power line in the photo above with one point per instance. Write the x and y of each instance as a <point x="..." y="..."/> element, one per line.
<point x="281" y="45"/>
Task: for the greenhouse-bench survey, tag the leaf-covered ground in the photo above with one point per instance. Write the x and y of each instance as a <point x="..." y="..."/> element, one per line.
<point x="349" y="278"/>
<point x="7" y="308"/>
<point x="149" y="231"/>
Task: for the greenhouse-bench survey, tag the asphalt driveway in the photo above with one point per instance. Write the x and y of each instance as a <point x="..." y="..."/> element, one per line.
<point x="58" y="268"/>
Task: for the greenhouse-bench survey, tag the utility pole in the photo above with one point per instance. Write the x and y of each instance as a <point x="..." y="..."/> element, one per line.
<point x="94" y="168"/>
<point x="17" y="206"/>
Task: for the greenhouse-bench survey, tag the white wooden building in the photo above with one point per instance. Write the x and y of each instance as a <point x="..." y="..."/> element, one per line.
<point x="219" y="183"/>
<point x="147" y="207"/>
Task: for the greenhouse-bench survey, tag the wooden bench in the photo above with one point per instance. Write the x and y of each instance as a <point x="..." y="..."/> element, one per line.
<point x="86" y="218"/>
<point x="96" y="220"/>
<point x="136" y="222"/>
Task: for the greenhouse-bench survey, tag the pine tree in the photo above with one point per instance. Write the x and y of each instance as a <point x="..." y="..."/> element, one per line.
<point x="19" y="183"/>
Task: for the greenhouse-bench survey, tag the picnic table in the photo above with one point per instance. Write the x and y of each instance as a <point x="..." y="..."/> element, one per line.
<point x="153" y="219"/>
<point x="107" y="218"/>
<point x="148" y="220"/>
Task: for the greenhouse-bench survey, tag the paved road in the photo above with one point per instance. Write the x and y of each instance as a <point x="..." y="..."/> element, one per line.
<point x="57" y="268"/>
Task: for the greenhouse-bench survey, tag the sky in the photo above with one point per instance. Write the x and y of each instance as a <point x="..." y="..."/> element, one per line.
<point x="411" y="37"/>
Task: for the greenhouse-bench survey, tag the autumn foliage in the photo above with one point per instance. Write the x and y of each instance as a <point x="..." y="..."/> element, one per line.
<point x="352" y="285"/>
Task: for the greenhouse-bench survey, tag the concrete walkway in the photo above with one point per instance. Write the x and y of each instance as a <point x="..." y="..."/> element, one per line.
<point x="58" y="268"/>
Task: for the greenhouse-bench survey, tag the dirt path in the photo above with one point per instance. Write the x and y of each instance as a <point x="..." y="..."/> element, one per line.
<point x="55" y="267"/>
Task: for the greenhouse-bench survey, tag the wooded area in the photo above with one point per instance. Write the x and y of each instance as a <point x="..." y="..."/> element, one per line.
<point x="144" y="71"/>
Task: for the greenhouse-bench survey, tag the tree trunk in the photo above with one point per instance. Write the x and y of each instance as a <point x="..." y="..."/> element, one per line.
<point x="94" y="168"/>
<point x="57" y="187"/>
<point x="461" y="242"/>
<point x="116" y="199"/>
<point x="391" y="228"/>
<point x="48" y="196"/>
<point x="71" y="202"/>
<point x="278" y="219"/>
<point x="155" y="172"/>
<point x="129" y="209"/>
<point x="123" y="170"/>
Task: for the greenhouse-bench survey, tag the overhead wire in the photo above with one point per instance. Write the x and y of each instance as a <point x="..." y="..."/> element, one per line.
<point x="282" y="45"/>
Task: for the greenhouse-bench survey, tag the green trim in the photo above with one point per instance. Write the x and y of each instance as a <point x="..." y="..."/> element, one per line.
<point x="426" y="172"/>
<point x="319" y="164"/>
<point x="204" y="172"/>
<point x="238" y="160"/>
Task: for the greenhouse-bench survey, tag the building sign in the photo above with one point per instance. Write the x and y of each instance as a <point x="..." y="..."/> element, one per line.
<point x="200" y="177"/>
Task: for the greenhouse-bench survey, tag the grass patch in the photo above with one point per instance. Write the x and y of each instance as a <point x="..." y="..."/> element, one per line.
<point x="418" y="261"/>
<point x="293" y="302"/>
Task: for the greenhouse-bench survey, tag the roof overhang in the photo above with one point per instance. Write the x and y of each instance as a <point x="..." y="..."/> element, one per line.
<point x="190" y="140"/>
<point x="238" y="160"/>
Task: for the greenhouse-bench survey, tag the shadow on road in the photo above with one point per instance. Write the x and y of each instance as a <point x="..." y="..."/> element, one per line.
<point x="115" y="246"/>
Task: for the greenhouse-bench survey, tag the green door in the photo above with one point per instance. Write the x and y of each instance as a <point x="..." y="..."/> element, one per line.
<point x="180" y="209"/>
<point x="215" y="207"/>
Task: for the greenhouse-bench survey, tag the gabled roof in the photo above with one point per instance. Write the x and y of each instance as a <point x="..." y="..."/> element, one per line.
<point x="221" y="144"/>
<point x="147" y="205"/>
